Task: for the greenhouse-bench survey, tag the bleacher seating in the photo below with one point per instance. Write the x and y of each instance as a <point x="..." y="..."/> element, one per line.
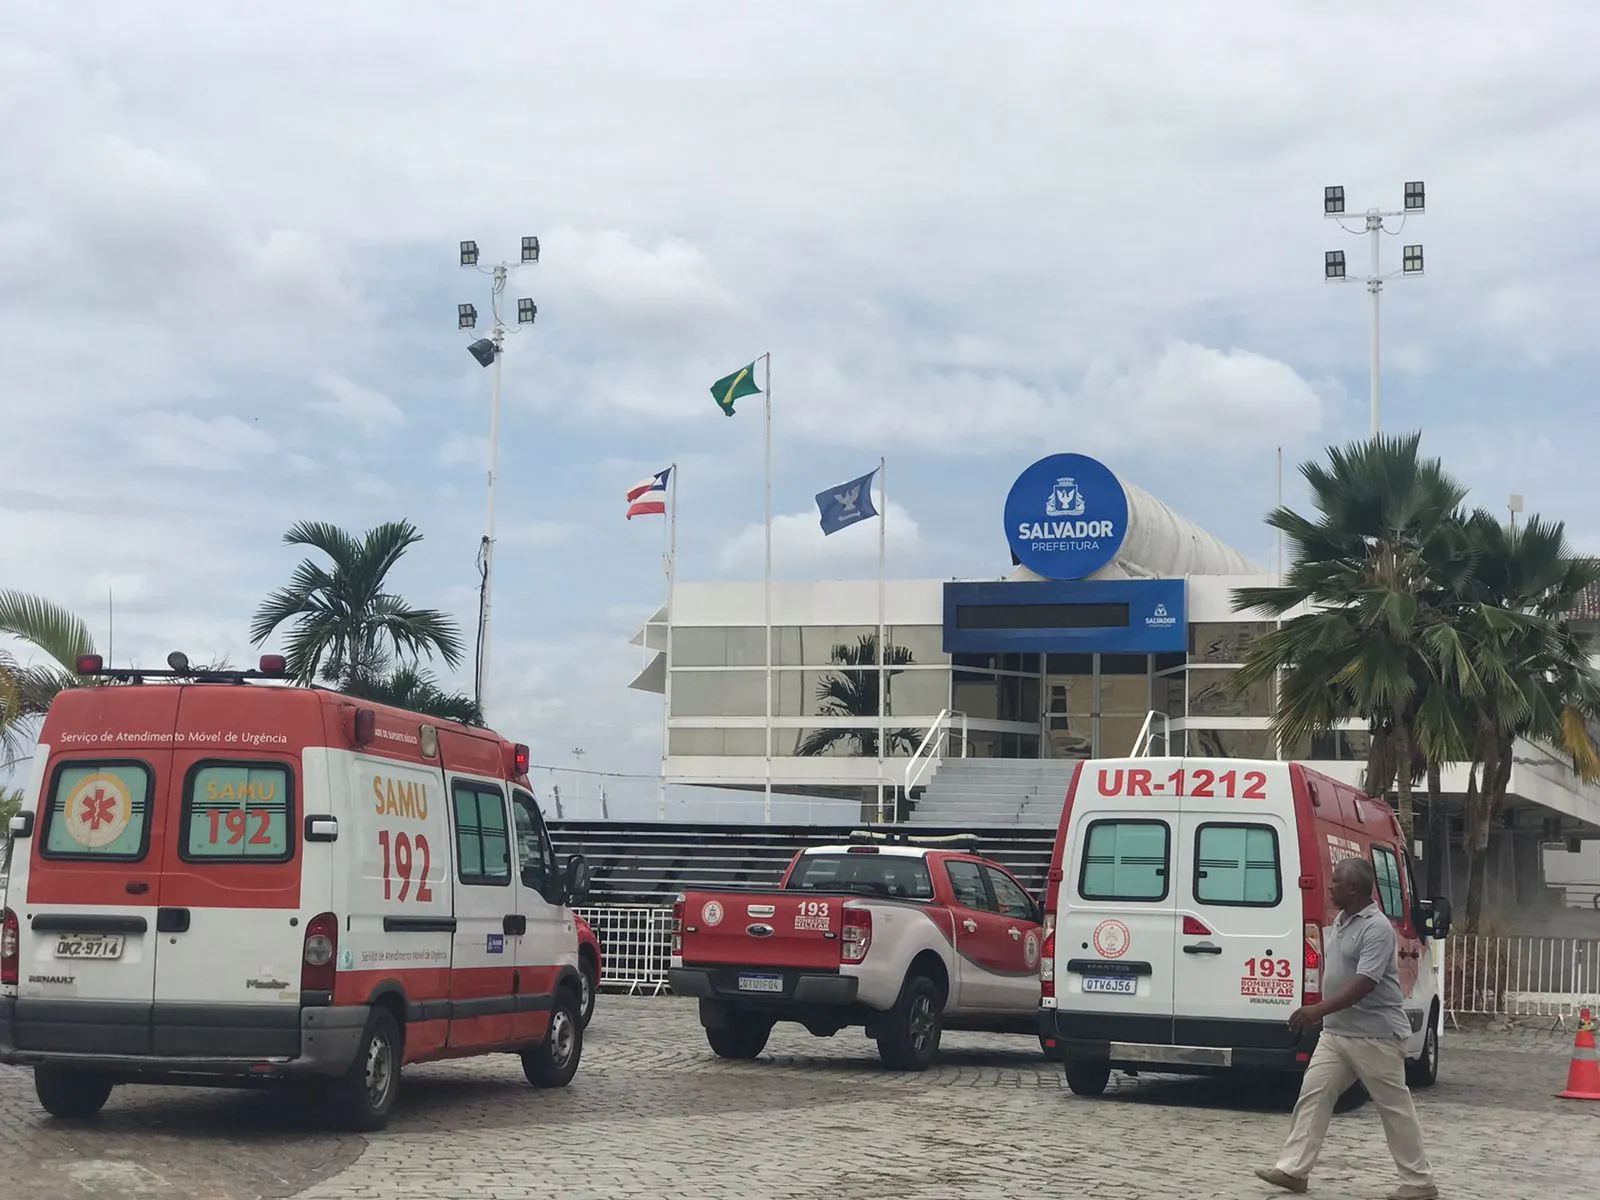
<point x="996" y="792"/>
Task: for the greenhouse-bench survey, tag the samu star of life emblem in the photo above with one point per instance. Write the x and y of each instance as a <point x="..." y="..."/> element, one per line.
<point x="98" y="810"/>
<point x="1065" y="499"/>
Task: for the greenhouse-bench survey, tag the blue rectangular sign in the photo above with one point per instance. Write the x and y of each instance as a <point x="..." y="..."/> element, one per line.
<point x="1112" y="616"/>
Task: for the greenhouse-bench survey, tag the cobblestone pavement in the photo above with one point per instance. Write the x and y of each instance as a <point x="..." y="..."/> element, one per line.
<point x="654" y="1114"/>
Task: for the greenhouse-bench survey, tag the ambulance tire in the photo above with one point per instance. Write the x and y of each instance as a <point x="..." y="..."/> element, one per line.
<point x="591" y="987"/>
<point x="743" y="1038"/>
<point x="1087" y="1077"/>
<point x="1423" y="1071"/>
<point x="74" y="1095"/>
<point x="908" y="1039"/>
<point x="554" y="1062"/>
<point x="360" y="1100"/>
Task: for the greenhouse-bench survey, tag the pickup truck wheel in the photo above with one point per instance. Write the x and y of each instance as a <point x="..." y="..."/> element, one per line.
<point x="589" y="977"/>
<point x="744" y="1036"/>
<point x="1087" y="1078"/>
<point x="910" y="1037"/>
<point x="76" y="1095"/>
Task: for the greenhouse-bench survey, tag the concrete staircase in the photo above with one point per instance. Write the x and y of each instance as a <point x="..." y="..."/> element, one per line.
<point x="986" y="792"/>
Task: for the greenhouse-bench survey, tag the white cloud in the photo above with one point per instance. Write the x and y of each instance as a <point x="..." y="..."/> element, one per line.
<point x="185" y="441"/>
<point x="462" y="450"/>
<point x="371" y="410"/>
<point x="801" y="550"/>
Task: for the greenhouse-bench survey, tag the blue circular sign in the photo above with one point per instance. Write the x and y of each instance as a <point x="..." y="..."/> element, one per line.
<point x="1066" y="516"/>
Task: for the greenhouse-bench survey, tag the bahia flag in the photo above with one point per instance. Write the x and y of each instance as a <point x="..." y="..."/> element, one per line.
<point x="732" y="387"/>
<point x="846" y="504"/>
<point x="649" y="496"/>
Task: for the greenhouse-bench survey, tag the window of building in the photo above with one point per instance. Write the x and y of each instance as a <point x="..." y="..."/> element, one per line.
<point x="925" y="643"/>
<point x="719" y="693"/>
<point x="1125" y="860"/>
<point x="1237" y="866"/>
<point x="916" y="693"/>
<point x="823" y="645"/>
<point x="716" y="743"/>
<point x="238" y="811"/>
<point x="1224" y="642"/>
<point x="1390" y="894"/>
<point x="720" y="646"/>
<point x="1211" y="694"/>
<point x="483" y="839"/>
<point x="99" y="810"/>
<point x="1229" y="743"/>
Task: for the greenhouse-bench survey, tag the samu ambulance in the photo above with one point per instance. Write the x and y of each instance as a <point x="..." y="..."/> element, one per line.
<point x="214" y="880"/>
<point x="1185" y="910"/>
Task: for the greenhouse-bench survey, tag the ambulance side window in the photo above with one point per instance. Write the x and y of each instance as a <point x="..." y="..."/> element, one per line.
<point x="483" y="840"/>
<point x="1387" y="868"/>
<point x="537" y="855"/>
<point x="98" y="811"/>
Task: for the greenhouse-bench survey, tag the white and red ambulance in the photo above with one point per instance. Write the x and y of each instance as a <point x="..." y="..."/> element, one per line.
<point x="214" y="880"/>
<point x="1184" y="917"/>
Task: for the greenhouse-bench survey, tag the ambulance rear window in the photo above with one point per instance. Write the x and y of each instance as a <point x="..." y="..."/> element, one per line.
<point x="238" y="812"/>
<point x="1125" y="860"/>
<point x="99" y="810"/>
<point x="1237" y="865"/>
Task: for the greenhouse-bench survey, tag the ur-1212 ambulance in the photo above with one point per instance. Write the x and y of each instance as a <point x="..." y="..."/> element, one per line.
<point x="216" y="879"/>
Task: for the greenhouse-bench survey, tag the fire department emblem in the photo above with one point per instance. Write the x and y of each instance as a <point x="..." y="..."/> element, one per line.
<point x="711" y="914"/>
<point x="1111" y="939"/>
<point x="1030" y="949"/>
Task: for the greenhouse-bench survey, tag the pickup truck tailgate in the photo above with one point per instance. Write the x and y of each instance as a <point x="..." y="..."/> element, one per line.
<point x="766" y="929"/>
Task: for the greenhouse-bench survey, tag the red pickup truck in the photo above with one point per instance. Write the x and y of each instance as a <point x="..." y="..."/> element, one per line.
<point x="905" y="939"/>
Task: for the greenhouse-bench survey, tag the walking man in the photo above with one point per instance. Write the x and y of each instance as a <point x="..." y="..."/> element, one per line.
<point x="1364" y="1030"/>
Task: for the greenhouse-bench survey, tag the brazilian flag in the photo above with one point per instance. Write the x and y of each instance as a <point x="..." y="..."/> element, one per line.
<point x="731" y="387"/>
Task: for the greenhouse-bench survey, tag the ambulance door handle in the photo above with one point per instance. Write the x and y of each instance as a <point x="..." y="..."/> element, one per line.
<point x="136" y="887"/>
<point x="515" y="924"/>
<point x="1203" y="948"/>
<point x="172" y="920"/>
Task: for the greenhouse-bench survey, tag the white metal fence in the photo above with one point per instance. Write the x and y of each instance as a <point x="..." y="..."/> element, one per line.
<point x="1522" y="976"/>
<point x="634" y="946"/>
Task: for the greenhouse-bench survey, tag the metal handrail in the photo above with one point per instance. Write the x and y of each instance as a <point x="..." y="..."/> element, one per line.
<point x="918" y="764"/>
<point x="1141" y="744"/>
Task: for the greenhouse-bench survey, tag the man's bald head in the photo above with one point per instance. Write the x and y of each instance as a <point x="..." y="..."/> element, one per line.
<point x="1352" y="884"/>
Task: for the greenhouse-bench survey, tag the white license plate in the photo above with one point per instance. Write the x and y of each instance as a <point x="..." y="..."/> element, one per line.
<point x="761" y="983"/>
<point x="1117" y="985"/>
<point x="89" y="945"/>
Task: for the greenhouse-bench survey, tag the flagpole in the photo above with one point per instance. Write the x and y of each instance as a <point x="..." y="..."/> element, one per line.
<point x="672" y="579"/>
<point x="883" y="659"/>
<point x="767" y="582"/>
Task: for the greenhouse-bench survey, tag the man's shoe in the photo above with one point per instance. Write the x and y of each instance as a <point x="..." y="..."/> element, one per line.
<point x="1288" y="1182"/>
<point x="1415" y="1191"/>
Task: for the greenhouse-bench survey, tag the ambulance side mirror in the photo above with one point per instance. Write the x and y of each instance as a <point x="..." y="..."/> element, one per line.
<point x="22" y="825"/>
<point x="1436" y="918"/>
<point x="575" y="879"/>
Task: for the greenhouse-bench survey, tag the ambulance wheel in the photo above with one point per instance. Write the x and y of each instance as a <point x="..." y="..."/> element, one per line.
<point x="743" y="1038"/>
<point x="1423" y="1071"/>
<point x="909" y="1039"/>
<point x="1087" y="1077"/>
<point x="360" y="1100"/>
<point x="590" y="978"/>
<point x="71" y="1094"/>
<point x="553" y="1063"/>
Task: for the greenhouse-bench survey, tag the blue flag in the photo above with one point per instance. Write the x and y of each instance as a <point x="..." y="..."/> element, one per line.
<point x="846" y="504"/>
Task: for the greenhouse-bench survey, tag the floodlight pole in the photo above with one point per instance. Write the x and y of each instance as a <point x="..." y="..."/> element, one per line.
<point x="498" y="336"/>
<point x="1374" y="228"/>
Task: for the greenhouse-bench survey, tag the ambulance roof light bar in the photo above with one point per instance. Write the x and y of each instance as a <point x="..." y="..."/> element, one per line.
<point x="92" y="666"/>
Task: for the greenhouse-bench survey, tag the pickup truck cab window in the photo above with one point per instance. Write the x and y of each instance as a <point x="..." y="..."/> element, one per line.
<point x="863" y="874"/>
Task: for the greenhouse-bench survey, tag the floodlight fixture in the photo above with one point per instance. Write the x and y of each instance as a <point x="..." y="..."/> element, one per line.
<point x="1332" y="201"/>
<point x="466" y="316"/>
<point x="1414" y="197"/>
<point x="530" y="249"/>
<point x="469" y="254"/>
<point x="1411" y="260"/>
<point x="527" y="310"/>
<point x="1333" y="264"/>
<point x="484" y="351"/>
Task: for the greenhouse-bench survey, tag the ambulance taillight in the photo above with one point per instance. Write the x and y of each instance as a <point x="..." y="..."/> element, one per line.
<point x="318" y="965"/>
<point x="10" y="948"/>
<point x="1313" y="964"/>
<point x="1047" y="967"/>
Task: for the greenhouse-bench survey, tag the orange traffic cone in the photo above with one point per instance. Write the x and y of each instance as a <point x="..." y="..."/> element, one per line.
<point x="1583" y="1076"/>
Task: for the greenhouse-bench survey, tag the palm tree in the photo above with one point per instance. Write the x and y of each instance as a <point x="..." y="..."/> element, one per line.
<point x="1532" y="673"/>
<point x="26" y="690"/>
<point x="347" y="628"/>
<point x="413" y="688"/>
<point x="1375" y="567"/>
<point x="853" y="692"/>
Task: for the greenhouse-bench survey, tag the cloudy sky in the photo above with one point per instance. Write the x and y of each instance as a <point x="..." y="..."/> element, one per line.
<point x="969" y="234"/>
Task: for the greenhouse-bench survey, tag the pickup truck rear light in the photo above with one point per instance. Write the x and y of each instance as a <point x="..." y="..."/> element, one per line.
<point x="1312" y="982"/>
<point x="1047" y="966"/>
<point x="319" y="956"/>
<point x="855" y="935"/>
<point x="676" y="925"/>
<point x="10" y="948"/>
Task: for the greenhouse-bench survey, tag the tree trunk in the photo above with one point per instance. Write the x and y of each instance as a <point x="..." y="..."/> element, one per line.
<point x="1479" y="796"/>
<point x="1402" y="780"/>
<point x="1436" y="846"/>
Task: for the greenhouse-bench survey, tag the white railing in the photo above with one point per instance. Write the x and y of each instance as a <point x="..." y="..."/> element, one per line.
<point x="1550" y="977"/>
<point x="928" y="752"/>
<point x="1147" y="735"/>
<point x="635" y="945"/>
